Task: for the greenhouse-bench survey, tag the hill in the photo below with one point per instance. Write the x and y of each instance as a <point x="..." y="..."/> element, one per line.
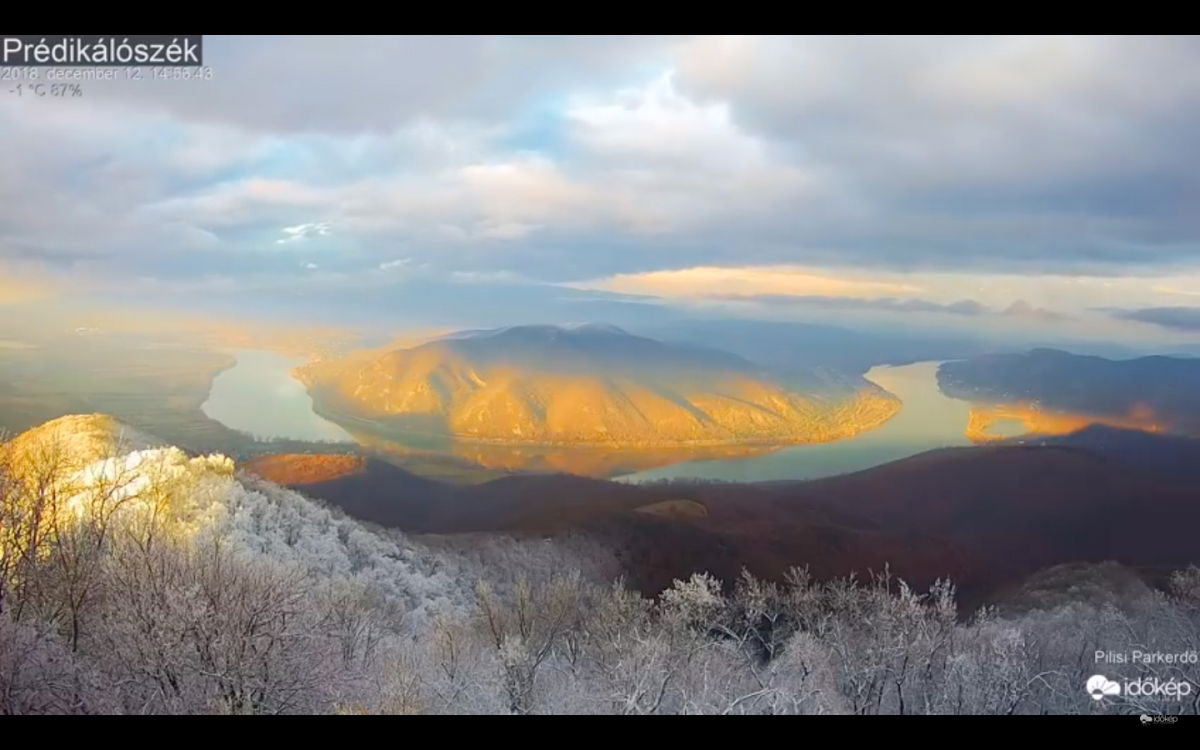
<point x="587" y="385"/>
<point x="1048" y="387"/>
<point x="986" y="515"/>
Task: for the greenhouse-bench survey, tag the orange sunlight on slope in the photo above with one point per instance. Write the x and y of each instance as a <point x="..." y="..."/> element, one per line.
<point x="984" y="419"/>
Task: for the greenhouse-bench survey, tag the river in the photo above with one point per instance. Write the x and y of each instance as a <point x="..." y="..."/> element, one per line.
<point x="927" y="420"/>
<point x="259" y="396"/>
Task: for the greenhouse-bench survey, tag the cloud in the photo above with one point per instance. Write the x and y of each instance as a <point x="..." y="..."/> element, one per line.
<point x="353" y="84"/>
<point x="797" y="287"/>
<point x="964" y="307"/>
<point x="1022" y="309"/>
<point x="488" y="277"/>
<point x="922" y="112"/>
<point x="1063" y="151"/>
<point x="246" y="202"/>
<point x="1177" y="318"/>
<point x="656" y="123"/>
<point x="303" y="232"/>
<point x="667" y="163"/>
<point x="1171" y="289"/>
<point x="1057" y="170"/>
<point x="713" y="281"/>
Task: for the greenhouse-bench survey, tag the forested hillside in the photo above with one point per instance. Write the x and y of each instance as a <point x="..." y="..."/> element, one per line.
<point x="135" y="578"/>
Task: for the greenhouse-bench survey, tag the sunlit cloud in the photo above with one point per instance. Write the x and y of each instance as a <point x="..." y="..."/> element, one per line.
<point x="1047" y="298"/>
<point x="1174" y="290"/>
<point x="715" y="282"/>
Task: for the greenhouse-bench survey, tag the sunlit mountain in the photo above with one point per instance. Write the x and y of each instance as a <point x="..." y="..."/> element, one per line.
<point x="589" y="384"/>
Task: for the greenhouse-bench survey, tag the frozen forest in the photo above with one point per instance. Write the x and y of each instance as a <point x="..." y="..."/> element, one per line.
<point x="138" y="579"/>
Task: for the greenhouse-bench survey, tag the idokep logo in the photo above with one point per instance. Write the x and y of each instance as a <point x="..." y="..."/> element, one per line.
<point x="1100" y="687"/>
<point x="1153" y="687"/>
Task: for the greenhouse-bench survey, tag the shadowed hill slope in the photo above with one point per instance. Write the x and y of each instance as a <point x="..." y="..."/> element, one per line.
<point x="1153" y="393"/>
<point x="985" y="516"/>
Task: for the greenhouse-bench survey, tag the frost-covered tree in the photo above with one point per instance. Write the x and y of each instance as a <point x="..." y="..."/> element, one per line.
<point x="145" y="580"/>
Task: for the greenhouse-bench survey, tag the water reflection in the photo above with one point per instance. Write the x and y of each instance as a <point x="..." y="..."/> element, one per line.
<point x="474" y="461"/>
<point x="928" y="419"/>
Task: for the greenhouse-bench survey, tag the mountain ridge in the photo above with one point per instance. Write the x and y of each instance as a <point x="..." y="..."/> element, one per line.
<point x="588" y="384"/>
<point x="1153" y="393"/>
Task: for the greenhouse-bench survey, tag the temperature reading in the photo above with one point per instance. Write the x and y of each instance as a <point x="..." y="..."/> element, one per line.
<point x="54" y="90"/>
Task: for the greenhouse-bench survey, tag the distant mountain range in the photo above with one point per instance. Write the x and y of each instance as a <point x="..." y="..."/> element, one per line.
<point x="1160" y="394"/>
<point x="588" y="385"/>
<point x="786" y="345"/>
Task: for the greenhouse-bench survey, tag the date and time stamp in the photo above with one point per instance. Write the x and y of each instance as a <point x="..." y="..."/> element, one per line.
<point x="74" y="83"/>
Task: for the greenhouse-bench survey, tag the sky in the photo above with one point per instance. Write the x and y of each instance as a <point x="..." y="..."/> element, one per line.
<point x="1014" y="184"/>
